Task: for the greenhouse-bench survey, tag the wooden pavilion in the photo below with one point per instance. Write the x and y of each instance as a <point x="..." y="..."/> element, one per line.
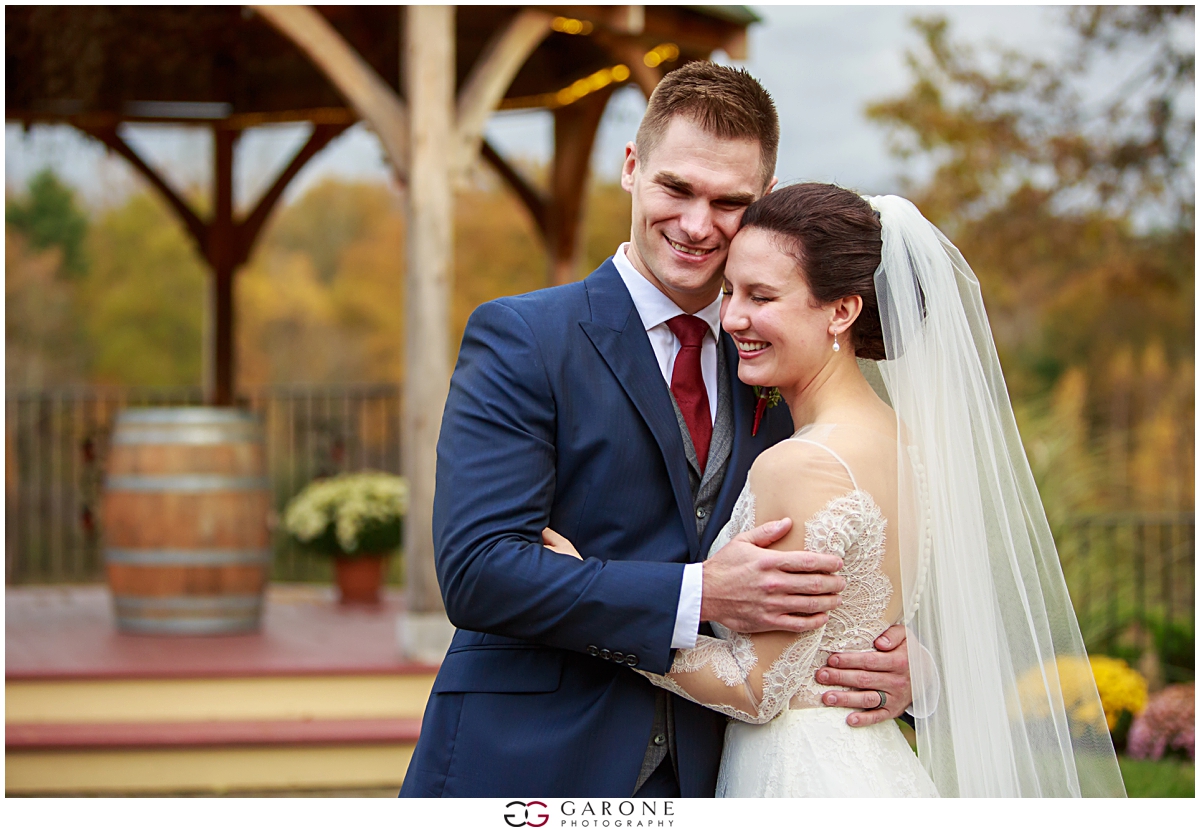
<point x="424" y="79"/>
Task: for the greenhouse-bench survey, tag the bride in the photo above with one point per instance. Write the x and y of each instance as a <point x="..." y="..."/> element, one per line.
<point x="917" y="478"/>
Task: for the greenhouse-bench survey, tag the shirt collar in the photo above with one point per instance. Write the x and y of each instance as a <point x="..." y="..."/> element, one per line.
<point x="653" y="306"/>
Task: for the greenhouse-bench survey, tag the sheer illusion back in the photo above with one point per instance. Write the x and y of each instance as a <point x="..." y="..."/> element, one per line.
<point x="839" y="482"/>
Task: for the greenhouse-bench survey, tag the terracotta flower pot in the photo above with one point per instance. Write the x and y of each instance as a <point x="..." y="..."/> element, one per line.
<point x="359" y="577"/>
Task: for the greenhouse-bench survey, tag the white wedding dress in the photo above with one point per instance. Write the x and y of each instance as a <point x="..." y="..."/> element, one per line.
<point x="782" y="741"/>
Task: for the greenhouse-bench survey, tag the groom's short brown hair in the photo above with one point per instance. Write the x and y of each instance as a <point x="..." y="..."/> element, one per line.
<point x="725" y="102"/>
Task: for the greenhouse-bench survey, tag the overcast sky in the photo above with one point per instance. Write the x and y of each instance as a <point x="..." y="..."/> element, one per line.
<point x="823" y="64"/>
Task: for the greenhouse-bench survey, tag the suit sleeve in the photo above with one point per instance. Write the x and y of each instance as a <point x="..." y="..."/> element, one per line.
<point x="495" y="489"/>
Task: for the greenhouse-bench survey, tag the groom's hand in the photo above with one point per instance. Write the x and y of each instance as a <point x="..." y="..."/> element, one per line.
<point x="750" y="589"/>
<point x="883" y="669"/>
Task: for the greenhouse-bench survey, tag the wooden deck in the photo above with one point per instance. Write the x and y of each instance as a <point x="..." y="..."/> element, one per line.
<point x="317" y="700"/>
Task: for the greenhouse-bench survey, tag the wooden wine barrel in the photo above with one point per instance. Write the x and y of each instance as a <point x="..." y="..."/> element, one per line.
<point x="186" y="544"/>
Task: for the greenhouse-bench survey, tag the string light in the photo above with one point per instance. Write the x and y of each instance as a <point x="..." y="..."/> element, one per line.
<point x="570" y="94"/>
<point x="594" y="82"/>
<point x="661" y="54"/>
<point x="571" y="26"/>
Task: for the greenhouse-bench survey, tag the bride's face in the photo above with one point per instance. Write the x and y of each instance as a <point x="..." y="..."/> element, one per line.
<point x="782" y="334"/>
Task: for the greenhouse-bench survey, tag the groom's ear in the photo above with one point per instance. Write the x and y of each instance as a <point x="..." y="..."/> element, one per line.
<point x="771" y="186"/>
<point x="628" y="167"/>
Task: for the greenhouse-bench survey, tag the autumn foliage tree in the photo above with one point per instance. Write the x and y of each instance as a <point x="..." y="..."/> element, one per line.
<point x="1076" y="211"/>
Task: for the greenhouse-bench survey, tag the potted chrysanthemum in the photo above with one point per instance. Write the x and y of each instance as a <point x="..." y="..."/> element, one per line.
<point x="356" y="518"/>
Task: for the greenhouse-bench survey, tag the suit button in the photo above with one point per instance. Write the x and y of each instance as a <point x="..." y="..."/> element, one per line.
<point x="618" y="657"/>
<point x="659" y="739"/>
<point x="592" y="650"/>
<point x="700" y="513"/>
<point x="605" y="653"/>
<point x="631" y="660"/>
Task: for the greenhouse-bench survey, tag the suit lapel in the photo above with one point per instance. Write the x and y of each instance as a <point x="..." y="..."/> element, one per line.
<point x="616" y="331"/>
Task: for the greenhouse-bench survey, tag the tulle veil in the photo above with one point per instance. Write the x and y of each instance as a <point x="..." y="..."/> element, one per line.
<point x="1015" y="710"/>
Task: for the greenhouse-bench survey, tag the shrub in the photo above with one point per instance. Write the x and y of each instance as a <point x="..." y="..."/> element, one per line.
<point x="1168" y="723"/>
<point x="350" y="513"/>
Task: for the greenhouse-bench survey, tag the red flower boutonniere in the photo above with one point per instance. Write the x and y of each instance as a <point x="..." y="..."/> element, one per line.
<point x="766" y="399"/>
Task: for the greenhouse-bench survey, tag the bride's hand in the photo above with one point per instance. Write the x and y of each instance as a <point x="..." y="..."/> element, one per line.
<point x="557" y="543"/>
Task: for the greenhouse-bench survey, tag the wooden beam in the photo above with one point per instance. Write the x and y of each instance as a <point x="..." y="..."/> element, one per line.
<point x="575" y="129"/>
<point x="252" y="225"/>
<point x="195" y="226"/>
<point x="352" y="76"/>
<point x="632" y="53"/>
<point x="491" y="76"/>
<point x="429" y="60"/>
<point x="530" y="194"/>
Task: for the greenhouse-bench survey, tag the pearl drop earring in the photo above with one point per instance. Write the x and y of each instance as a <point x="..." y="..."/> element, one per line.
<point x="836" y="347"/>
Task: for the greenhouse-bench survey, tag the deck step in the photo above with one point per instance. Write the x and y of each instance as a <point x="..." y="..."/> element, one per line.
<point x="379" y="696"/>
<point x="207" y="757"/>
<point x="140" y="735"/>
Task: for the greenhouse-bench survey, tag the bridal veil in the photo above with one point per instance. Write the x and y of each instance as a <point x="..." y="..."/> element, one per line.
<point x="1018" y="713"/>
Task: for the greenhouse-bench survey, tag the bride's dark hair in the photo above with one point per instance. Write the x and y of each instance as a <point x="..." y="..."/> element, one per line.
<point x="834" y="236"/>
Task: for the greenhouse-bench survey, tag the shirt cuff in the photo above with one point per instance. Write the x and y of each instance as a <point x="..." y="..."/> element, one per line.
<point x="687" y="614"/>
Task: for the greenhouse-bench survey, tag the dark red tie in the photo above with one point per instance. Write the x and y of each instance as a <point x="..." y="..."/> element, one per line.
<point x="687" y="382"/>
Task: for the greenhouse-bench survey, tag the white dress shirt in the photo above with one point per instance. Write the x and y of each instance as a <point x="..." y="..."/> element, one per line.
<point x="655" y="309"/>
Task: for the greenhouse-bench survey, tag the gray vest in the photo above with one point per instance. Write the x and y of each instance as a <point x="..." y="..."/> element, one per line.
<point x="704" y="497"/>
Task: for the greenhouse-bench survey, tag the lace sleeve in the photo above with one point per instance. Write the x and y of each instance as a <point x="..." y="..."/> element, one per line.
<point x="754" y="677"/>
<point x="720" y="674"/>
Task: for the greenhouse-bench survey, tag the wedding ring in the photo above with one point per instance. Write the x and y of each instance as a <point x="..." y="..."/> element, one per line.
<point x="882" y="701"/>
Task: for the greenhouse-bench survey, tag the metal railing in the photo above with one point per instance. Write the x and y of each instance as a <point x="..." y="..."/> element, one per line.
<point x="57" y="443"/>
<point x="1130" y="574"/>
<point x="1122" y="569"/>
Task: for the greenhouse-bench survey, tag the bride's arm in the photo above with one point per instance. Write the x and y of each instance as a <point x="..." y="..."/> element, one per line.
<point x="752" y="678"/>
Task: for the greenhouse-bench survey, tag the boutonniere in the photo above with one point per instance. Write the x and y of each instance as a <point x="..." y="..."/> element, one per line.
<point x="766" y="399"/>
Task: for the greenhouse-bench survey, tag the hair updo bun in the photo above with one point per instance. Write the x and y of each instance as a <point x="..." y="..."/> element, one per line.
<point x="834" y="236"/>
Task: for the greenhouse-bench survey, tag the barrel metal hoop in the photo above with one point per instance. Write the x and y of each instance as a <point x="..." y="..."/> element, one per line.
<point x="175" y="415"/>
<point x="189" y="627"/>
<point x="187" y="558"/>
<point x="187" y="435"/>
<point x="185" y="483"/>
<point x="237" y="604"/>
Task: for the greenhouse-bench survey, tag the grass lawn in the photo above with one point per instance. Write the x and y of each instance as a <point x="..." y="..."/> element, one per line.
<point x="1161" y="778"/>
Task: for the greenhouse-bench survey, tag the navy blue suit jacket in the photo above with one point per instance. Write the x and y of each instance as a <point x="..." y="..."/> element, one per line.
<point x="558" y="416"/>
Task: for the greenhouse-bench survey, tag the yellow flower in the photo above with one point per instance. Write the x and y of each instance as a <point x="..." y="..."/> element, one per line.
<point x="1121" y="688"/>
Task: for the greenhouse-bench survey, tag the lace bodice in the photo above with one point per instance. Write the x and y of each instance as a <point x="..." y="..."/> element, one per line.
<point x="723" y="672"/>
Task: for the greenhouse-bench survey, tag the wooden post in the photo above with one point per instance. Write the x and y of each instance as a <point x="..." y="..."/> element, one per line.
<point x="429" y="74"/>
<point x="222" y="254"/>
<point x="574" y="135"/>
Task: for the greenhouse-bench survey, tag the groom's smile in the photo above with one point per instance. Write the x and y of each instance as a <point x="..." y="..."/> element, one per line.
<point x="692" y="252"/>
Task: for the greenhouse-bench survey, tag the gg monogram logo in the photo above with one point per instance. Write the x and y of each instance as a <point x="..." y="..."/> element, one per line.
<point x="513" y="817"/>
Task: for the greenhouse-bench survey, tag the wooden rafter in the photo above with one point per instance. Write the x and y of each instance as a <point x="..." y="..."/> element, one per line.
<point x="196" y="226"/>
<point x="354" y="78"/>
<point x="529" y="194"/>
<point x="250" y="227"/>
<point x="491" y="76"/>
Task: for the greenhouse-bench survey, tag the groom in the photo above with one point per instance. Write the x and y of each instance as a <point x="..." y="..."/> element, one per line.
<point x="610" y="411"/>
